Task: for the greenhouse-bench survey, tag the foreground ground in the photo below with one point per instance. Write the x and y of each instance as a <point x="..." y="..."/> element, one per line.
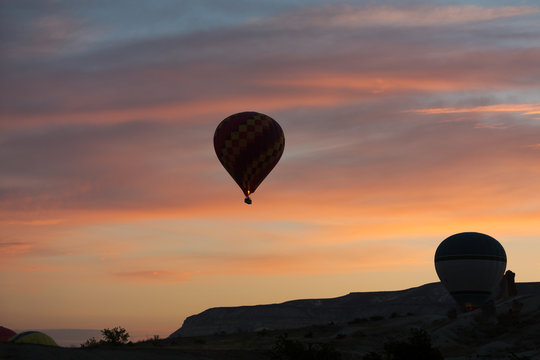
<point x="510" y="334"/>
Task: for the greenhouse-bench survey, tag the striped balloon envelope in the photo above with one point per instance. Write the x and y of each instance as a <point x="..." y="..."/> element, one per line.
<point x="249" y="145"/>
<point x="6" y="334"/>
<point x="470" y="265"/>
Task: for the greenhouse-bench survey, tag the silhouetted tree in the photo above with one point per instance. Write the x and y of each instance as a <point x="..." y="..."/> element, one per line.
<point x="372" y="356"/>
<point x="287" y="349"/>
<point x="116" y="336"/>
<point x="92" y="342"/>
<point x="417" y="347"/>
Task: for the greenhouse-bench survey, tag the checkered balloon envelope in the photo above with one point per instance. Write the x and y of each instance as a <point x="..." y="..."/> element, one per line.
<point x="249" y="145"/>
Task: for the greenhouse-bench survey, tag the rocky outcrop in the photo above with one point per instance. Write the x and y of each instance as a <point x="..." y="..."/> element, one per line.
<point x="507" y="286"/>
<point x="429" y="299"/>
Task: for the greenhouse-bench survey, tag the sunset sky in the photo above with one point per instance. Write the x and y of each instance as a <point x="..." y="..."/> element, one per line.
<point x="405" y="122"/>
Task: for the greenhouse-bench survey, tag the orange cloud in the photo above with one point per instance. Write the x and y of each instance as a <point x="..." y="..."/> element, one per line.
<point x="311" y="261"/>
<point x="372" y="84"/>
<point x="14" y="248"/>
<point x="496" y="126"/>
<point x="109" y="183"/>
<point x="187" y="113"/>
<point x="532" y="146"/>
<point x="41" y="268"/>
<point x="168" y="276"/>
<point x="522" y="109"/>
<point x="32" y="222"/>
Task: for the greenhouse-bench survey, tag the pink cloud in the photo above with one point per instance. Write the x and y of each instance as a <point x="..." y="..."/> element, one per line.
<point x="152" y="276"/>
<point x="308" y="262"/>
<point x="123" y="84"/>
<point x="361" y="16"/>
<point x="32" y="222"/>
<point x="14" y="248"/>
<point x="118" y="137"/>
<point x="49" y="35"/>
<point x="532" y="146"/>
<point x="522" y="109"/>
<point x="401" y="123"/>
<point x="41" y="268"/>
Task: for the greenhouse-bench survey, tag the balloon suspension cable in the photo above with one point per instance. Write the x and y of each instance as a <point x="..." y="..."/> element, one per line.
<point x="247" y="200"/>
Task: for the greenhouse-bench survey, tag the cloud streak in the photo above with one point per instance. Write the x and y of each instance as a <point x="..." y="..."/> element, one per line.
<point x="204" y="73"/>
<point x="523" y="109"/>
<point x="404" y="123"/>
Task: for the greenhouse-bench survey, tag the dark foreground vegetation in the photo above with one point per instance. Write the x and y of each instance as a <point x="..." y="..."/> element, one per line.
<point x="314" y="344"/>
<point x="509" y="333"/>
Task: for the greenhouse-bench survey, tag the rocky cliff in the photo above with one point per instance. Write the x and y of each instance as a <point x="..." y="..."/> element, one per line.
<point x="429" y="298"/>
<point x="426" y="299"/>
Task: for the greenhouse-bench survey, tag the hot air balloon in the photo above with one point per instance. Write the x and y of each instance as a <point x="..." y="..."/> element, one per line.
<point x="470" y="265"/>
<point x="33" y="337"/>
<point x="6" y="334"/>
<point x="249" y="145"/>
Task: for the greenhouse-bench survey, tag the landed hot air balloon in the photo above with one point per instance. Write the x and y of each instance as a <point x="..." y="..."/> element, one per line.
<point x="249" y="145"/>
<point x="470" y="265"/>
<point x="33" y="337"/>
<point x="6" y="334"/>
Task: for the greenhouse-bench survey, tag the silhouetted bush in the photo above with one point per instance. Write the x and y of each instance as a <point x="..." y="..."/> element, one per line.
<point x="357" y="321"/>
<point x="200" y="341"/>
<point x="262" y="332"/>
<point x="115" y="336"/>
<point x="287" y="349"/>
<point x="515" y="357"/>
<point x="372" y="356"/>
<point x="90" y="343"/>
<point x="376" y="317"/>
<point x="156" y="341"/>
<point x="511" y="318"/>
<point x="417" y="347"/>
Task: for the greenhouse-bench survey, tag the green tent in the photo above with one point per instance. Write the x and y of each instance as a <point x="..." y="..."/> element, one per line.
<point x="33" y="337"/>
